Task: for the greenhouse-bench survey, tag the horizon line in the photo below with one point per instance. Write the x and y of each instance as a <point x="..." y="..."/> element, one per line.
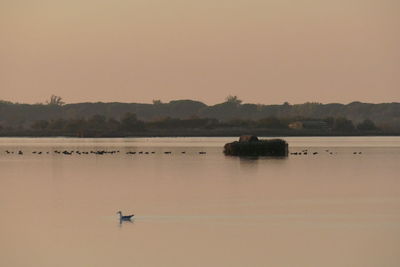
<point x="194" y="100"/>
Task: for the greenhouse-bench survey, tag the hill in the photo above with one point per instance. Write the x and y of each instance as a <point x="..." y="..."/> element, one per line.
<point x="22" y="116"/>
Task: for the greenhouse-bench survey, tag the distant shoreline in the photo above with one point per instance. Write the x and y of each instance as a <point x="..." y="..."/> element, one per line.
<point x="198" y="134"/>
<point x="194" y="118"/>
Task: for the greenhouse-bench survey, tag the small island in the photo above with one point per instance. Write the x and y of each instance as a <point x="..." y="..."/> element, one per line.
<point x="250" y="145"/>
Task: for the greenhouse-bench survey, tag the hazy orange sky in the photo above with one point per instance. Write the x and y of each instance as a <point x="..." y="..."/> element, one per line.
<point x="264" y="51"/>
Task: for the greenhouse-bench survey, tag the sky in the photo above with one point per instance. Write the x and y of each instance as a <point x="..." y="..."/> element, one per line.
<point x="263" y="51"/>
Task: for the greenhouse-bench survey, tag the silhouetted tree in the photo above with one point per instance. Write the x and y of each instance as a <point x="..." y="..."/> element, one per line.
<point x="330" y="121"/>
<point x="343" y="125"/>
<point x="113" y="125"/>
<point x="233" y="100"/>
<point x="97" y="122"/>
<point x="58" y="124"/>
<point x="55" y="101"/>
<point x="130" y="123"/>
<point x="367" y="125"/>
<point x="240" y="123"/>
<point x="272" y="122"/>
<point x="40" y="125"/>
<point x="76" y="127"/>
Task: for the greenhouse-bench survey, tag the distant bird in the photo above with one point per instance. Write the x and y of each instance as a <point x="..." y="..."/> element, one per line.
<point x="124" y="218"/>
<point x="202" y="152"/>
<point x="315" y="153"/>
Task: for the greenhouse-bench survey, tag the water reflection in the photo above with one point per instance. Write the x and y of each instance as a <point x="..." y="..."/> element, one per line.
<point x="251" y="164"/>
<point x="125" y="221"/>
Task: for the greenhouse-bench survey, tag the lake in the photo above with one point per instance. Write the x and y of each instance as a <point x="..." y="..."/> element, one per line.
<point x="332" y="208"/>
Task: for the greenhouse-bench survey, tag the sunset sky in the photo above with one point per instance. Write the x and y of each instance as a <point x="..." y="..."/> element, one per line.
<point x="264" y="51"/>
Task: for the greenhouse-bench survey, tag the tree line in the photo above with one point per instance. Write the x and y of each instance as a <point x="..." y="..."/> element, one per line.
<point x="129" y="125"/>
<point x="232" y="113"/>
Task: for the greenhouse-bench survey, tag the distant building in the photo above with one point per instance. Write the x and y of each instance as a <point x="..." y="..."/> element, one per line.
<point x="296" y="125"/>
<point x="316" y="125"/>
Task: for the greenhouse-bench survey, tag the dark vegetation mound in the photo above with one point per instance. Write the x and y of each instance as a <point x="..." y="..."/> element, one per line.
<point x="251" y="146"/>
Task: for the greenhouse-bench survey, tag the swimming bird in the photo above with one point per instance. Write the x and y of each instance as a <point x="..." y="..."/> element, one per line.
<point x="124" y="218"/>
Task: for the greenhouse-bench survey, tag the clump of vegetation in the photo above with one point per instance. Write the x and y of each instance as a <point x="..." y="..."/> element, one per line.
<point x="367" y="125"/>
<point x="272" y="147"/>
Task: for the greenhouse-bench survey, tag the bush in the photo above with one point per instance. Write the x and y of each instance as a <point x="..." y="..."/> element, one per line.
<point x="367" y="125"/>
<point x="273" y="147"/>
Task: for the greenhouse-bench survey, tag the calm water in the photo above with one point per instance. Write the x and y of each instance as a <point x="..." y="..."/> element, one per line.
<point x="339" y="209"/>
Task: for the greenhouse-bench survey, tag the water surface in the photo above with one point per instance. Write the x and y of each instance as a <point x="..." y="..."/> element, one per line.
<point x="339" y="209"/>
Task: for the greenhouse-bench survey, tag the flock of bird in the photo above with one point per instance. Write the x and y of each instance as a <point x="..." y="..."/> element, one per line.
<point x="327" y="151"/>
<point x="111" y="152"/>
<point x="95" y="152"/>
